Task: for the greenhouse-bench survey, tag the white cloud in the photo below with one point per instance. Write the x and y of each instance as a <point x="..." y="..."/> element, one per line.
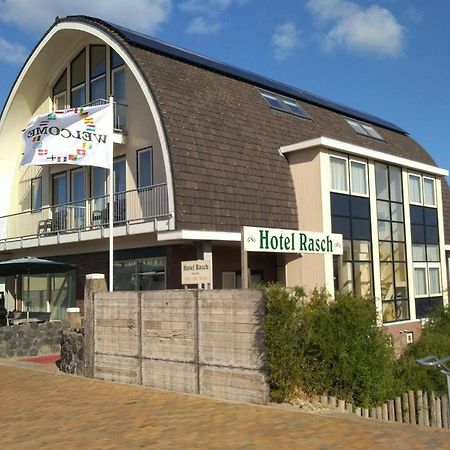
<point x="208" y="12"/>
<point x="200" y="26"/>
<point x="371" y="30"/>
<point x="142" y="15"/>
<point x="210" y="7"/>
<point x="12" y="52"/>
<point x="285" y="40"/>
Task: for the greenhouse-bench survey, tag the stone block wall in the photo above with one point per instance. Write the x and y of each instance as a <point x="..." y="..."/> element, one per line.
<point x="30" y="339"/>
<point x="72" y="352"/>
<point x="207" y="342"/>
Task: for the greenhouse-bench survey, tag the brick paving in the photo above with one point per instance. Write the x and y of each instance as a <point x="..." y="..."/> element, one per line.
<point x="43" y="409"/>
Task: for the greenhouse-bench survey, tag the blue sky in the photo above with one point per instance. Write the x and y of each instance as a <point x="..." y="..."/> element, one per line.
<point x="390" y="58"/>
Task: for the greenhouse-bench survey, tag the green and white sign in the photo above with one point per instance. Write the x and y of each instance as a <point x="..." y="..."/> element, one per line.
<point x="291" y="241"/>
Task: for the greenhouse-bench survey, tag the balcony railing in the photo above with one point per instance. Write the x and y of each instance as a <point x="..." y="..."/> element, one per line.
<point x="119" y="112"/>
<point x="139" y="205"/>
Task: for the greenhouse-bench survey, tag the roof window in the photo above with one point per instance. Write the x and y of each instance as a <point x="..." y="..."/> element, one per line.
<point x="364" y="129"/>
<point x="284" y="104"/>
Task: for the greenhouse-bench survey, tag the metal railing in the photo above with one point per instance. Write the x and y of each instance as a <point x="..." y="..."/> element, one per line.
<point x="119" y="112"/>
<point x="138" y="205"/>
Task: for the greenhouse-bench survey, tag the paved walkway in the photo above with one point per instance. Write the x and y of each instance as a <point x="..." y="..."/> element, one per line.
<point x="41" y="408"/>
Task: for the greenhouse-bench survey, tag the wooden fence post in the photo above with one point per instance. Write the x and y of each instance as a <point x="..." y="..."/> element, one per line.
<point x="391" y="411"/>
<point x="438" y="412"/>
<point x="444" y="405"/>
<point x="420" y="407"/>
<point x="426" y="411"/>
<point x="385" y="412"/>
<point x="412" y="408"/>
<point x="433" y="410"/>
<point x="405" y="406"/>
<point x="398" y="409"/>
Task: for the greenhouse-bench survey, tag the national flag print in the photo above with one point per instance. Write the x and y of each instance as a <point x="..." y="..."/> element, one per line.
<point x="80" y="136"/>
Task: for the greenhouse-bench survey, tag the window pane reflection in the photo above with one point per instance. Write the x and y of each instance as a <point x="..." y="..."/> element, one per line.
<point x="385" y="251"/>
<point x="363" y="279"/>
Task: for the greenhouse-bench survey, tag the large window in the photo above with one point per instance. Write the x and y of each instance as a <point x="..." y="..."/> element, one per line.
<point x="85" y="80"/>
<point x="348" y="175"/>
<point x="118" y="89"/>
<point x="97" y="71"/>
<point x="351" y="217"/>
<point x="422" y="190"/>
<point x="140" y="274"/>
<point x="119" y="189"/>
<point x="60" y="93"/>
<point x="145" y="167"/>
<point x="78" y="80"/>
<point x="392" y="247"/>
<point x="426" y="257"/>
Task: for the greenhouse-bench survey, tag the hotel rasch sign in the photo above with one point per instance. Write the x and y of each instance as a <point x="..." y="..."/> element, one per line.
<point x="291" y="241"/>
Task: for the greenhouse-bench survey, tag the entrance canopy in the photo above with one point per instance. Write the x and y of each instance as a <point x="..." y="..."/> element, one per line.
<point x="29" y="265"/>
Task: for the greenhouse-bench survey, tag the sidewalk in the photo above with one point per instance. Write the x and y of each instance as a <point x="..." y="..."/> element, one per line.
<point x="45" y="409"/>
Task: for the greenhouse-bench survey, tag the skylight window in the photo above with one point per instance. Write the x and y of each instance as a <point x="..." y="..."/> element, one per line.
<point x="364" y="129"/>
<point x="284" y="104"/>
<point x="272" y="101"/>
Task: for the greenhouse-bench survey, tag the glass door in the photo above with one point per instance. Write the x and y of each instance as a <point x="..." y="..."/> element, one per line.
<point x="78" y="205"/>
<point x="59" y="201"/>
<point x="98" y="192"/>
<point x="119" y="189"/>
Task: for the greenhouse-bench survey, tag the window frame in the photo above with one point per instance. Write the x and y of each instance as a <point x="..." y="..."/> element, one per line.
<point x="138" y="166"/>
<point x="348" y="175"/>
<point x="415" y="175"/>
<point x="433" y="180"/>
<point x="347" y="181"/>
<point x="55" y="176"/>
<point x="366" y="177"/>
<point x="76" y="87"/>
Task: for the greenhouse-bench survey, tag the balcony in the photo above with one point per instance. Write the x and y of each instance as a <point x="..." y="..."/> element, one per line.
<point x="119" y="115"/>
<point x="137" y="211"/>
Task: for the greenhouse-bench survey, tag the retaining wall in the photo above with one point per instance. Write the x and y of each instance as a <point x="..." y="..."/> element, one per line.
<point x="208" y="342"/>
<point x="30" y="339"/>
<point x="72" y="352"/>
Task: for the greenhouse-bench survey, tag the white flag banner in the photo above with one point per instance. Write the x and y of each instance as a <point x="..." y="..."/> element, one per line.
<point x="79" y="136"/>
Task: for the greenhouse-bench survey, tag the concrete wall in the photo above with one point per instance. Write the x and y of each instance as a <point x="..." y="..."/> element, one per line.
<point x="203" y="342"/>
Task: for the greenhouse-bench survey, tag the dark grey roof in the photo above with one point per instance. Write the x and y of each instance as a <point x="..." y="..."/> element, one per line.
<point x="141" y="40"/>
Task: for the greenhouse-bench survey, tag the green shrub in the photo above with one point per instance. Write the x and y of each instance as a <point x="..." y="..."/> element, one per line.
<point x="324" y="346"/>
<point x="346" y="354"/>
<point x="435" y="340"/>
<point x="283" y="349"/>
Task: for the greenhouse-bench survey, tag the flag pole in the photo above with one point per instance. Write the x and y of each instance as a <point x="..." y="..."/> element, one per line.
<point x="111" y="198"/>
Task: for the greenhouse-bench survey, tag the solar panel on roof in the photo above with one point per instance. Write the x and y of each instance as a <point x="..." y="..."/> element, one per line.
<point x="142" y="40"/>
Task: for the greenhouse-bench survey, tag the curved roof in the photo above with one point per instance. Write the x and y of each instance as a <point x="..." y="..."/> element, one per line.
<point x="223" y="138"/>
